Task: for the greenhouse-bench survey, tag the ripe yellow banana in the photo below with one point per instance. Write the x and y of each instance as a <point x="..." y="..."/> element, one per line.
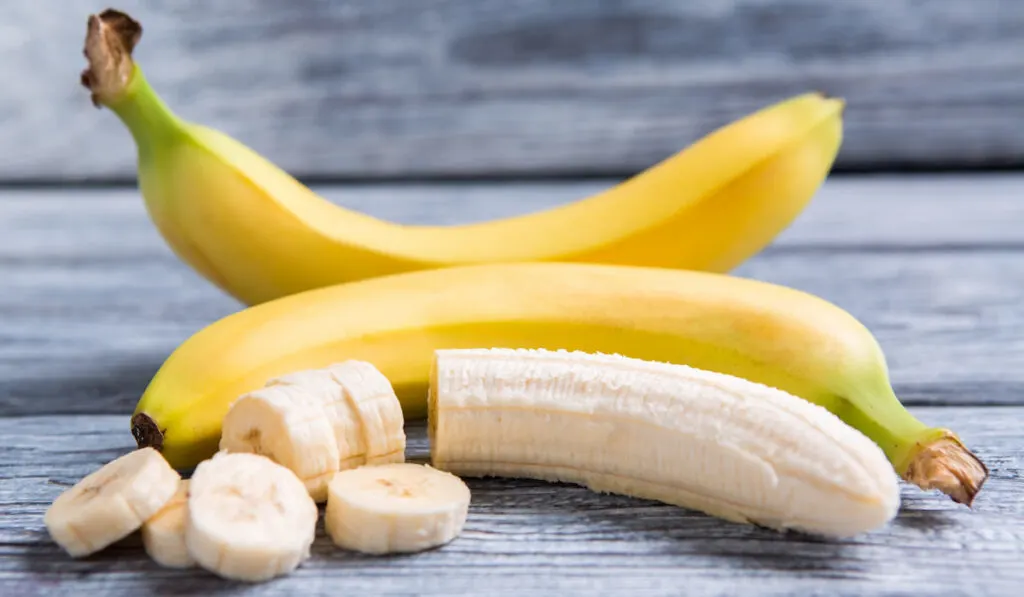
<point x="259" y="234"/>
<point x="763" y="332"/>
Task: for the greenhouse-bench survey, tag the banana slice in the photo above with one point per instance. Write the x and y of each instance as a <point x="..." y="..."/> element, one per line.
<point x="163" y="535"/>
<point x="319" y="421"/>
<point x="288" y="424"/>
<point x="379" y="412"/>
<point x="249" y="518"/>
<point x="395" y="508"/>
<point x="111" y="503"/>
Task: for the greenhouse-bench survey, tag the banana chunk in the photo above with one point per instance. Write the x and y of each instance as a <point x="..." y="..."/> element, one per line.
<point x="395" y="508"/>
<point x="288" y="425"/>
<point x="715" y="443"/>
<point x="163" y="535"/>
<point x="249" y="518"/>
<point x="372" y="398"/>
<point x="317" y="422"/>
<point x="111" y="503"/>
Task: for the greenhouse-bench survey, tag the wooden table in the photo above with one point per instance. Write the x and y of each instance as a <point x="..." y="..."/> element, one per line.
<point x="91" y="302"/>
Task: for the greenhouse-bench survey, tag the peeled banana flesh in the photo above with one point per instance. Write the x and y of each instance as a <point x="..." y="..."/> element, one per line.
<point x="111" y="503"/>
<point x="318" y="422"/>
<point x="723" y="445"/>
<point x="395" y="508"/>
<point x="258" y="234"/>
<point x="163" y="534"/>
<point x="249" y="518"/>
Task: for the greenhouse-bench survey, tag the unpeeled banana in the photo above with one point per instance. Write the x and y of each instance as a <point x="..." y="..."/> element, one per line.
<point x="258" y="234"/>
<point x="766" y="333"/>
<point x="723" y="445"/>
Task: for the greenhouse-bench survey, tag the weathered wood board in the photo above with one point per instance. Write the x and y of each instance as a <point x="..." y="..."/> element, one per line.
<point x="462" y="88"/>
<point x="533" y="538"/>
<point x="92" y="301"/>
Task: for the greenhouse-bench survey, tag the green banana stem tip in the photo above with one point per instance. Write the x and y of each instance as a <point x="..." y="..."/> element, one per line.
<point x="110" y="38"/>
<point x="947" y="465"/>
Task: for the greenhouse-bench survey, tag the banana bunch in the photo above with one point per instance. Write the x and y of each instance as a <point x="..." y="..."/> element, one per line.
<point x="258" y="234"/>
<point x="583" y="343"/>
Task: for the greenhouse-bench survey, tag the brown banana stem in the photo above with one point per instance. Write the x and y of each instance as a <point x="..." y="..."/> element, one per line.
<point x="109" y="40"/>
<point x="947" y="465"/>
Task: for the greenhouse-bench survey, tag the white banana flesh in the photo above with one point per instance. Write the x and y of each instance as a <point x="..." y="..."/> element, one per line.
<point x="395" y="508"/>
<point x="111" y="503"/>
<point x="319" y="421"/>
<point x="163" y="534"/>
<point x="249" y="518"/>
<point x="714" y="443"/>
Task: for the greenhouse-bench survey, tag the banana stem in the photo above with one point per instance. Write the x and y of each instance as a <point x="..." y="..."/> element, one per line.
<point x="118" y="83"/>
<point x="947" y="465"/>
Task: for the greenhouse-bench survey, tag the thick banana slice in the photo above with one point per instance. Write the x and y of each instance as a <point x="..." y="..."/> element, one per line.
<point x="372" y="398"/>
<point x="395" y="508"/>
<point x="711" y="442"/>
<point x="287" y="424"/>
<point x="249" y="518"/>
<point x="163" y="535"/>
<point x="111" y="503"/>
<point x="319" y="421"/>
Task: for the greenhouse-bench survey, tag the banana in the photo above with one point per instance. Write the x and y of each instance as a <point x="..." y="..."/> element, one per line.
<point x="719" y="444"/>
<point x="249" y="518"/>
<point x="258" y="234"/>
<point x="111" y="503"/>
<point x="319" y="421"/>
<point x="395" y="508"/>
<point x="288" y="426"/>
<point x="163" y="534"/>
<point x="774" y="335"/>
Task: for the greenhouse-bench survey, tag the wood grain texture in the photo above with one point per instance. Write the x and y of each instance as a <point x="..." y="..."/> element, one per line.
<point x="521" y="87"/>
<point x="92" y="301"/>
<point x="530" y="538"/>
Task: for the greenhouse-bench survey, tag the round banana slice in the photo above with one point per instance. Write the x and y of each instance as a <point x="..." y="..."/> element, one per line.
<point x="163" y="535"/>
<point x="287" y="424"/>
<point x="395" y="508"/>
<point x="111" y="503"/>
<point x="249" y="518"/>
<point x="374" y="404"/>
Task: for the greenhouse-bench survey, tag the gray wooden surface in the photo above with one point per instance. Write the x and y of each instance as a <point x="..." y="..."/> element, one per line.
<point x="404" y="88"/>
<point x="91" y="302"/>
<point x="533" y="538"/>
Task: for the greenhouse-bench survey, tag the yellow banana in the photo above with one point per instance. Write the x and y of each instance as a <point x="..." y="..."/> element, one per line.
<point x="257" y="233"/>
<point x="763" y="332"/>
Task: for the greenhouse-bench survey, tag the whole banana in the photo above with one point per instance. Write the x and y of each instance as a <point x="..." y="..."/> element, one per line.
<point x="257" y="233"/>
<point x="771" y="334"/>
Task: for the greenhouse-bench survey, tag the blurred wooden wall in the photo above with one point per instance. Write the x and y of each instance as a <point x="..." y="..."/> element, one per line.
<point x="484" y="88"/>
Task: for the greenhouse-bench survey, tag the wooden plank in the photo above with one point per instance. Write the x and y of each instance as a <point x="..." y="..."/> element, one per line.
<point x="522" y="87"/>
<point x="524" y="537"/>
<point x="91" y="300"/>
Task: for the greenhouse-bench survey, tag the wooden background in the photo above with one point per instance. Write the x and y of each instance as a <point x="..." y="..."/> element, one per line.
<point x="485" y="88"/>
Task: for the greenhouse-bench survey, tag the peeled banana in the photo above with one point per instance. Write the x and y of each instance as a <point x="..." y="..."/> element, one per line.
<point x="770" y="334"/>
<point x="395" y="508"/>
<point x="254" y="231"/>
<point x="719" y="444"/>
<point x="318" y="422"/>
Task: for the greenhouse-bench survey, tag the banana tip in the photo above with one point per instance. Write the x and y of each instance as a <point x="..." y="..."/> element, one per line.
<point x="110" y="38"/>
<point x="146" y="432"/>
